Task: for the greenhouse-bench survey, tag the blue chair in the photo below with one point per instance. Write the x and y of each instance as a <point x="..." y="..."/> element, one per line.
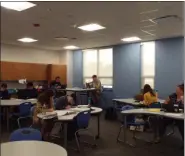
<point x="24" y="112"/>
<point x="158" y="105"/>
<point x="82" y="123"/>
<point x="118" y="106"/>
<point x="130" y="121"/>
<point x="26" y="134"/>
<point x="32" y="112"/>
<point x="155" y="105"/>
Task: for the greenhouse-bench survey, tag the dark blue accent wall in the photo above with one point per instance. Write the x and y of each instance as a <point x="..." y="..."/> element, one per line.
<point x="77" y="68"/>
<point x="169" y="65"/>
<point x="126" y="70"/>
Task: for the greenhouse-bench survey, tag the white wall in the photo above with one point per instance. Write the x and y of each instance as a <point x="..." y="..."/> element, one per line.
<point x="31" y="55"/>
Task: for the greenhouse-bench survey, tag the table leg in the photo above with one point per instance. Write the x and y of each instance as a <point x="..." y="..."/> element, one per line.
<point x="7" y="117"/>
<point x="98" y="126"/>
<point x="65" y="135"/>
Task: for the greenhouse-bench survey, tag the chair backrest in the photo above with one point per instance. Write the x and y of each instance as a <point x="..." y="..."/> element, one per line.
<point x="26" y="134"/>
<point x="155" y="105"/>
<point x="83" y="119"/>
<point x="24" y="108"/>
<point x="130" y="118"/>
<point x="32" y="110"/>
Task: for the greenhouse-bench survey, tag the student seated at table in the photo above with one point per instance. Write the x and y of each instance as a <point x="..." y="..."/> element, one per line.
<point x="45" y="103"/>
<point x="161" y="123"/>
<point x="4" y="92"/>
<point x="56" y="84"/>
<point x="31" y="92"/>
<point x="149" y="95"/>
<point x="66" y="102"/>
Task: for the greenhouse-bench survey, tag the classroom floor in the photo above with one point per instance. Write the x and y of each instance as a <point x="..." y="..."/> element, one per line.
<point x="107" y="145"/>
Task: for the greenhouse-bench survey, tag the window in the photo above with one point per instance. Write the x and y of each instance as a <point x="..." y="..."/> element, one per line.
<point x="98" y="62"/>
<point x="148" y="63"/>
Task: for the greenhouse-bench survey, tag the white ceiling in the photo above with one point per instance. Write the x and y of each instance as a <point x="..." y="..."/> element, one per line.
<point x="60" y="19"/>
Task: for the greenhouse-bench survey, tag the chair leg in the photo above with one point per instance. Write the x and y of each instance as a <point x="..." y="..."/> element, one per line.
<point x="77" y="141"/>
<point x="91" y="134"/>
<point x="134" y="133"/>
<point x="124" y="141"/>
<point x="18" y="121"/>
<point x="172" y="132"/>
<point x="119" y="133"/>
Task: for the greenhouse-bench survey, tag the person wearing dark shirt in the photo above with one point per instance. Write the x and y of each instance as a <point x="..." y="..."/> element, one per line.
<point x="65" y="102"/>
<point x="162" y="123"/>
<point x="56" y="84"/>
<point x="4" y="92"/>
<point x="176" y="97"/>
<point x="31" y="92"/>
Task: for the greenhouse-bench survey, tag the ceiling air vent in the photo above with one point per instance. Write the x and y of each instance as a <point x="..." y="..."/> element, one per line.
<point x="167" y="18"/>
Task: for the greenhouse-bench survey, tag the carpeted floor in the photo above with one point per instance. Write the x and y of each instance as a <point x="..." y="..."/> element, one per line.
<point x="107" y="145"/>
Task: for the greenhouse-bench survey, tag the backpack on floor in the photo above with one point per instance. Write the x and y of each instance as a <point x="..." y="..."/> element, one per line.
<point x="110" y="114"/>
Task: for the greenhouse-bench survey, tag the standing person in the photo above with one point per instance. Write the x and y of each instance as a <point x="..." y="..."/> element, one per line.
<point x="97" y="85"/>
<point x="4" y="92"/>
<point x="45" y="103"/>
<point x="149" y="95"/>
<point x="56" y="84"/>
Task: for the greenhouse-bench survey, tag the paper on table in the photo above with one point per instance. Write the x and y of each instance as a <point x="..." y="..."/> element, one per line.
<point x="61" y="113"/>
<point x="154" y="109"/>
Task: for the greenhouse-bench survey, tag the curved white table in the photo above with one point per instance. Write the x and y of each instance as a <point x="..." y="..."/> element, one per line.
<point x="31" y="148"/>
<point x="62" y="117"/>
<point x="150" y="111"/>
<point x="13" y="102"/>
<point x="178" y="116"/>
<point x="16" y="102"/>
<point x="132" y="101"/>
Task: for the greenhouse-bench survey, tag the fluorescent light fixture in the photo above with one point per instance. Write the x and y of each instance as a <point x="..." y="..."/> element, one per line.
<point x="27" y="40"/>
<point x="18" y="6"/>
<point x="91" y="27"/>
<point x="71" y="47"/>
<point x="131" y="39"/>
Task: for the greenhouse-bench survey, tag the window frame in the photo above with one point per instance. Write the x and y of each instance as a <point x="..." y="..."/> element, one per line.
<point x="147" y="76"/>
<point x="100" y="77"/>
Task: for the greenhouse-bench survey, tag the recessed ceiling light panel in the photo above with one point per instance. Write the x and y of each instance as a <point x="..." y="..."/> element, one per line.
<point x="27" y="40"/>
<point x="91" y="27"/>
<point x="131" y="39"/>
<point x="71" y="47"/>
<point x="18" y="6"/>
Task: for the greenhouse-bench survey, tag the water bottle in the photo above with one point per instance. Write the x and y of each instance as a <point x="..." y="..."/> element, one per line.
<point x="156" y="92"/>
<point x="89" y="102"/>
